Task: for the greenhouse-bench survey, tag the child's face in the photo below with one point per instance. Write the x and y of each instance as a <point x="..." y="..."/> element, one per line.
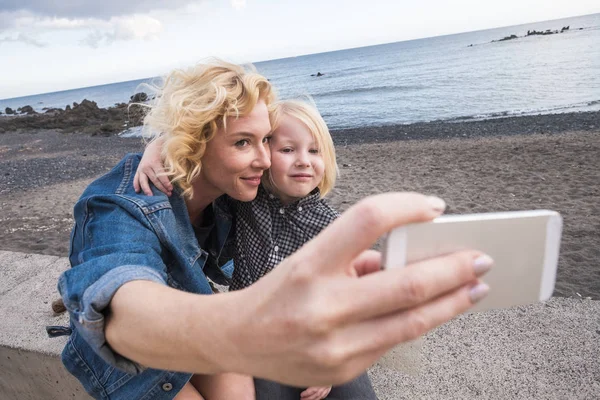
<point x="296" y="163"/>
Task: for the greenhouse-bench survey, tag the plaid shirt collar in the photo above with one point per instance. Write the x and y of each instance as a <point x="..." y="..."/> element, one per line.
<point x="274" y="202"/>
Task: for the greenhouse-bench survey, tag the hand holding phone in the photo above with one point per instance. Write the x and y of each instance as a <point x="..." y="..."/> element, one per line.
<point x="523" y="244"/>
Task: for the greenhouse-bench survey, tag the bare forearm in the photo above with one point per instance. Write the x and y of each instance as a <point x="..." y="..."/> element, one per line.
<point x="160" y="327"/>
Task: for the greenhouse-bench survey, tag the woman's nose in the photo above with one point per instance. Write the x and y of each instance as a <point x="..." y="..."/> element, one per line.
<point x="263" y="158"/>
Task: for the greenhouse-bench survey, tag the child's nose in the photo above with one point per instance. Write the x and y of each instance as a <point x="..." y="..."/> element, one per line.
<point x="302" y="161"/>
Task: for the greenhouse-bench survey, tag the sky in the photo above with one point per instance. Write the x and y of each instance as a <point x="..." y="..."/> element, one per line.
<point x="47" y="46"/>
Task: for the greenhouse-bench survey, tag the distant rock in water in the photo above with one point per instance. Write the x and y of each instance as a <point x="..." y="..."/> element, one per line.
<point x="86" y="105"/>
<point x="317" y="74"/>
<point x="138" y="97"/>
<point x="511" y="37"/>
<point x="48" y="110"/>
<point x="26" y="110"/>
<point x="9" y="111"/>
<point x="543" y="33"/>
<point x="532" y="33"/>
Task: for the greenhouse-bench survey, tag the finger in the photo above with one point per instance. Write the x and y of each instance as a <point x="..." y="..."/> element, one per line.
<point x="367" y="262"/>
<point x="377" y="335"/>
<point x="317" y="394"/>
<point x="136" y="183"/>
<point x="308" y="392"/>
<point x="166" y="182"/>
<point x="359" y="227"/>
<point x="144" y="184"/>
<point x="395" y="289"/>
<point x="158" y="183"/>
<point x="321" y="393"/>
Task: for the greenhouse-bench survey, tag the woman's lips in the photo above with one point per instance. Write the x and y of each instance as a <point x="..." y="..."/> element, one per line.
<point x="253" y="180"/>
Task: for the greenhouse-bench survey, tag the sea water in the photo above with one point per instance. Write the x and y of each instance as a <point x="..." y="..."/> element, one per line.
<point x="454" y="77"/>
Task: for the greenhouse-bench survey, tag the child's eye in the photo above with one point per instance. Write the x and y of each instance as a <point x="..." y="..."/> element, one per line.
<point x="314" y="151"/>
<point x="242" y="143"/>
<point x="287" y="150"/>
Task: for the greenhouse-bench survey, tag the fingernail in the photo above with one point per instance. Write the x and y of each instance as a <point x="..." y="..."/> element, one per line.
<point x="482" y="264"/>
<point x="436" y="203"/>
<point x="478" y="292"/>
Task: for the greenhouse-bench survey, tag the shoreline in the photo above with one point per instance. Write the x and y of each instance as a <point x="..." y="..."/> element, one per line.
<point x="583" y="121"/>
<point x="87" y="118"/>
<point x="508" y="164"/>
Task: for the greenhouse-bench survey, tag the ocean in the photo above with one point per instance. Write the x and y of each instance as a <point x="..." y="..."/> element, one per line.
<point x="455" y="77"/>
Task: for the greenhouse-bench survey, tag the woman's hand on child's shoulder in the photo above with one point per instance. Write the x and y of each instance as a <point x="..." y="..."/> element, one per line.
<point x="151" y="169"/>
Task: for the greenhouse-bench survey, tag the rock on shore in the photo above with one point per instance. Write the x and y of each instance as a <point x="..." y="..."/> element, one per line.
<point x="84" y="117"/>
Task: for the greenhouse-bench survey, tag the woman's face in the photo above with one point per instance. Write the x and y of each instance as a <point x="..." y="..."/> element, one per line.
<point x="237" y="156"/>
<point x="297" y="166"/>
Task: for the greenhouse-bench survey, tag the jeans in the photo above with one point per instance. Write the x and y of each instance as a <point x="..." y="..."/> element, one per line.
<point x="359" y="388"/>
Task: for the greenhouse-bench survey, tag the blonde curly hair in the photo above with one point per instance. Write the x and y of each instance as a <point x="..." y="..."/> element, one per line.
<point x="192" y="104"/>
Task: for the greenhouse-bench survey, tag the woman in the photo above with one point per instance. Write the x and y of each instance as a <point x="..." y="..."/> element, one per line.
<point x="137" y="289"/>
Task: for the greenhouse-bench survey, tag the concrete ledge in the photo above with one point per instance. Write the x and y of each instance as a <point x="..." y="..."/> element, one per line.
<point x="30" y="367"/>
<point x="549" y="350"/>
<point x="33" y="375"/>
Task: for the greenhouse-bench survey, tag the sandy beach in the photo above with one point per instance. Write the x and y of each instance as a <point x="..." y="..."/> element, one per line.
<point x="549" y="162"/>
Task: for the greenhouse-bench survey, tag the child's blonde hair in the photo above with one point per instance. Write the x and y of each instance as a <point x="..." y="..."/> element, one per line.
<point x="192" y="104"/>
<point x="311" y="118"/>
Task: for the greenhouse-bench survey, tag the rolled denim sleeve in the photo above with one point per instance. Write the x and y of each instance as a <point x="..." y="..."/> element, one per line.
<point x="111" y="245"/>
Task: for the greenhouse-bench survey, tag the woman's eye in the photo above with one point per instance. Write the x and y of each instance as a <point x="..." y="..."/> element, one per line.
<point x="242" y="143"/>
<point x="267" y="139"/>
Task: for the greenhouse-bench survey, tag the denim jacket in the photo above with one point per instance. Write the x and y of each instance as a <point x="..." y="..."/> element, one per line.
<point x="120" y="236"/>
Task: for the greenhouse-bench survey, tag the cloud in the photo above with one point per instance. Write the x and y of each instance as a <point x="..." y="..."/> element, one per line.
<point x="78" y="9"/>
<point x="9" y="19"/>
<point x="238" y="4"/>
<point x="22" y="38"/>
<point x="123" y="28"/>
<point x="98" y="22"/>
<point x="61" y="23"/>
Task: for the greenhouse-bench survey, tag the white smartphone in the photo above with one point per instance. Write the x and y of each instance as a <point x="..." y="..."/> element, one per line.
<point x="523" y="244"/>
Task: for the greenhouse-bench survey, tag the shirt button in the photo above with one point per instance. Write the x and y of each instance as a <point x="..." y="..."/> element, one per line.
<point x="299" y="208"/>
<point x="276" y="249"/>
<point x="281" y="211"/>
<point x="167" y="387"/>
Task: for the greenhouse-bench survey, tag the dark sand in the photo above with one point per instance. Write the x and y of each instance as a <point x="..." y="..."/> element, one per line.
<point x="550" y="162"/>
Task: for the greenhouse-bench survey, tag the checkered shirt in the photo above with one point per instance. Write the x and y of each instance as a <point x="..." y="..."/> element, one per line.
<point x="268" y="231"/>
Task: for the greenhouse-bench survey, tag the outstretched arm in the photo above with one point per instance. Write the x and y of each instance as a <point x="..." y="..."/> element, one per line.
<point x="281" y="330"/>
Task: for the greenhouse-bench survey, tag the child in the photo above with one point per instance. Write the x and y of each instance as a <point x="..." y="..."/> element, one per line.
<point x="288" y="210"/>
